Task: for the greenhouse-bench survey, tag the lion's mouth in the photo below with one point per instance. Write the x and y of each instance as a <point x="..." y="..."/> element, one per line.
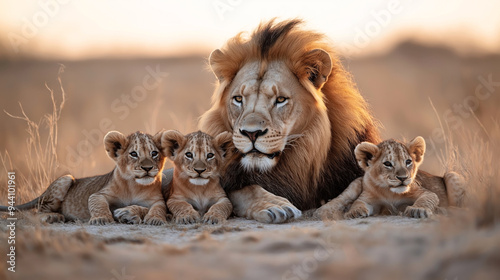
<point x="257" y="152"/>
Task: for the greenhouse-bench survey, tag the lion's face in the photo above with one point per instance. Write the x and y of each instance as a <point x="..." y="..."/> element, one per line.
<point x="197" y="156"/>
<point x="266" y="113"/>
<point x="138" y="157"/>
<point x="391" y="164"/>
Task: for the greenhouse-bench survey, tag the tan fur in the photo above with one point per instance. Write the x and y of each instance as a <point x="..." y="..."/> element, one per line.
<point x="94" y="198"/>
<point x="309" y="140"/>
<point x="195" y="191"/>
<point x="415" y="193"/>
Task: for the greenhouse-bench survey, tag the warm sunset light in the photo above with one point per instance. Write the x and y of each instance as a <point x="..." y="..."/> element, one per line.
<point x="84" y="29"/>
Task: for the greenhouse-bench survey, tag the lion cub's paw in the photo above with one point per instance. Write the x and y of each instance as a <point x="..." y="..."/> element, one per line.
<point x="52" y="218"/>
<point x="189" y="218"/>
<point x="130" y="215"/>
<point x="154" y="220"/>
<point x="213" y="218"/>
<point x="417" y="212"/>
<point x="101" y="220"/>
<point x="357" y="212"/>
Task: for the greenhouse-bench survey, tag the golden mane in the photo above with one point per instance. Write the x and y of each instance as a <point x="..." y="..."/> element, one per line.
<point x="350" y="121"/>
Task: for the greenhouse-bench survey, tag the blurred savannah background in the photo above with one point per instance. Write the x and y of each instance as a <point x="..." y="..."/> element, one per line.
<point x="429" y="68"/>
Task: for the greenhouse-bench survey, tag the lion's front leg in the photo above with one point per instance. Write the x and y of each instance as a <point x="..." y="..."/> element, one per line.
<point x="253" y="202"/>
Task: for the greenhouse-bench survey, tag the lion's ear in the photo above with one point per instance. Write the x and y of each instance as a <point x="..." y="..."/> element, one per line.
<point x="171" y="142"/>
<point x="224" y="141"/>
<point x="416" y="147"/>
<point x="365" y="152"/>
<point x="115" y="144"/>
<point x="215" y="60"/>
<point x="319" y="66"/>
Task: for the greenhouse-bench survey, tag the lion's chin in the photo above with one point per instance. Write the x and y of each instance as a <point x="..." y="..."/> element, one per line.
<point x="259" y="162"/>
<point x="400" y="189"/>
<point x="147" y="180"/>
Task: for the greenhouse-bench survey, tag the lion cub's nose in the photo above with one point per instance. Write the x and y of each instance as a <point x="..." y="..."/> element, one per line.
<point x="147" y="168"/>
<point x="402" y="178"/>
<point x="199" y="171"/>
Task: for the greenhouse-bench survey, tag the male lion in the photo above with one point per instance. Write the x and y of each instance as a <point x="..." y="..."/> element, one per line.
<point x="295" y="115"/>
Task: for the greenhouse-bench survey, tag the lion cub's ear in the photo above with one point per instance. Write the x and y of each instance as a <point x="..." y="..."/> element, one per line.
<point x="171" y="142"/>
<point x="318" y="66"/>
<point x="416" y="147"/>
<point x="115" y="144"/>
<point x="224" y="141"/>
<point x="365" y="152"/>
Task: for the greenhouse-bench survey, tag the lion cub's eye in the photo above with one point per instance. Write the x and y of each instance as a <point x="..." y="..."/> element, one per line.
<point x="133" y="154"/>
<point x="408" y="161"/>
<point x="154" y="154"/>
<point x="210" y="155"/>
<point x="281" y="99"/>
<point x="189" y="155"/>
<point x="388" y="163"/>
<point x="238" y="99"/>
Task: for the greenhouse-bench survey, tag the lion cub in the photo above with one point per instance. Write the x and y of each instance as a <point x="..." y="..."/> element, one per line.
<point x="392" y="182"/>
<point x="136" y="181"/>
<point x="195" y="190"/>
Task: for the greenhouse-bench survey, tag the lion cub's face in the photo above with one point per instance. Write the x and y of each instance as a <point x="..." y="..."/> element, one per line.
<point x="198" y="156"/>
<point x="391" y="164"/>
<point x="139" y="156"/>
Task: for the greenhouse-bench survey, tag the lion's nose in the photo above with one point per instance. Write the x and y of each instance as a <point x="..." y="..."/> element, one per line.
<point x="199" y="171"/>
<point x="253" y="135"/>
<point x="402" y="178"/>
<point x="147" y="168"/>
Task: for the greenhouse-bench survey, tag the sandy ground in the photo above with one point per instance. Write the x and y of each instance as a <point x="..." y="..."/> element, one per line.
<point x="373" y="248"/>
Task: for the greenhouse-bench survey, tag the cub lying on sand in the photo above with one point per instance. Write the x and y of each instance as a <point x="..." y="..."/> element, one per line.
<point x="136" y="179"/>
<point x="195" y="190"/>
<point x="392" y="182"/>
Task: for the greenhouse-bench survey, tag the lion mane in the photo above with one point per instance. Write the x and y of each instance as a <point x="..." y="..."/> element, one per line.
<point x="320" y="164"/>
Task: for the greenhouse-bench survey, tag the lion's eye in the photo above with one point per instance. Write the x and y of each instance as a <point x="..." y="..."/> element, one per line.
<point x="210" y="155"/>
<point x="388" y="163"/>
<point x="281" y="99"/>
<point x="238" y="99"/>
<point x="154" y="154"/>
<point x="189" y="155"/>
<point x="409" y="162"/>
<point x="133" y="154"/>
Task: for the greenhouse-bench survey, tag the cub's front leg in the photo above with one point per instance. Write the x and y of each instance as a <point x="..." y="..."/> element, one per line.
<point x="99" y="210"/>
<point x="362" y="208"/>
<point x="133" y="214"/>
<point x="424" y="206"/>
<point x="335" y="208"/>
<point x="183" y="212"/>
<point x="157" y="214"/>
<point x="219" y="212"/>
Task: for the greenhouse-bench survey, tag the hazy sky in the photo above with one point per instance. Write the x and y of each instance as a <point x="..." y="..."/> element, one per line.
<point x="71" y="29"/>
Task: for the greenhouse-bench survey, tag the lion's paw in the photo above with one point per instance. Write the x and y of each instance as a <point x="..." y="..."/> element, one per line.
<point x="417" y="212"/>
<point x="277" y="213"/>
<point x="130" y="215"/>
<point x="189" y="218"/>
<point x="213" y="218"/>
<point x="357" y="212"/>
<point x="101" y="220"/>
<point x="154" y="220"/>
<point x="52" y="218"/>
